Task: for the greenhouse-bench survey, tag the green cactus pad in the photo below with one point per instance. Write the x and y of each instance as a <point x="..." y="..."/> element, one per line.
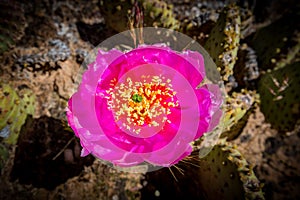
<point x="223" y="41"/>
<point x="277" y="42"/>
<point x="222" y="174"/>
<point x="26" y="107"/>
<point x="156" y="13"/>
<point x="239" y="123"/>
<point x="8" y="104"/>
<point x="238" y="107"/>
<point x="246" y="71"/>
<point x="14" y="110"/>
<point x="280" y="96"/>
<point x="159" y="13"/>
<point x="225" y="174"/>
<point x="116" y="13"/>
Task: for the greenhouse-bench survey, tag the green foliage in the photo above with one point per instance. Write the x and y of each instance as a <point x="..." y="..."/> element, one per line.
<point x="14" y="110"/>
<point x="159" y="13"/>
<point x="280" y="96"/>
<point x="278" y="42"/>
<point x="156" y="13"/>
<point x="116" y="13"/>
<point x="246" y="71"/>
<point x="223" y="41"/>
<point x="225" y="174"/>
<point x="9" y="102"/>
<point x="238" y="107"/>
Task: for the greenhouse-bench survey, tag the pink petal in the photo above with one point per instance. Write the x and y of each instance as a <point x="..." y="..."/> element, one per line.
<point x="196" y="59"/>
<point x="94" y="123"/>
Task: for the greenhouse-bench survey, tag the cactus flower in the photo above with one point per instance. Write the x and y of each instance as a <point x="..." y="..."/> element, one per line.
<point x="144" y="105"/>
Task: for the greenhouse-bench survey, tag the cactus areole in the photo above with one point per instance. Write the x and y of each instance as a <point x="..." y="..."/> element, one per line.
<point x="143" y="105"/>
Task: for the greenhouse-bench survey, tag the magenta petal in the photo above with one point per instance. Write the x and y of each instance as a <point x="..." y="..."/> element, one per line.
<point x="81" y="111"/>
<point x="116" y="156"/>
<point x="203" y="96"/>
<point x="84" y="152"/>
<point x="196" y="59"/>
<point x="170" y="155"/>
<point x="94" y="123"/>
<point x="106" y="119"/>
<point x="215" y="108"/>
<point x="185" y="154"/>
<point x="91" y="76"/>
<point x="70" y="117"/>
<point x="129" y="159"/>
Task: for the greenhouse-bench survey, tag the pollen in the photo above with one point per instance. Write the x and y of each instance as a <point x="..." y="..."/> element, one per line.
<point x="147" y="102"/>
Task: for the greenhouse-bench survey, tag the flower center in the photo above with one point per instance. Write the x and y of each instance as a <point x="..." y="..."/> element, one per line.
<point x="144" y="103"/>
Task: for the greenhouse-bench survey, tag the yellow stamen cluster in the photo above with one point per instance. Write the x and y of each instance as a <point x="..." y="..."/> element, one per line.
<point x="143" y="103"/>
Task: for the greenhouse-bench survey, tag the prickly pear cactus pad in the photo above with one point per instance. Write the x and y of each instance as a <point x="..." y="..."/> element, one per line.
<point x="36" y="137"/>
<point x="237" y="110"/>
<point x="155" y="13"/>
<point x="116" y="13"/>
<point x="225" y="174"/>
<point x="246" y="71"/>
<point x="9" y="102"/>
<point x="223" y="41"/>
<point x="14" y="110"/>
<point x="280" y="96"/>
<point x="159" y="13"/>
<point x="222" y="174"/>
<point x="277" y="41"/>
